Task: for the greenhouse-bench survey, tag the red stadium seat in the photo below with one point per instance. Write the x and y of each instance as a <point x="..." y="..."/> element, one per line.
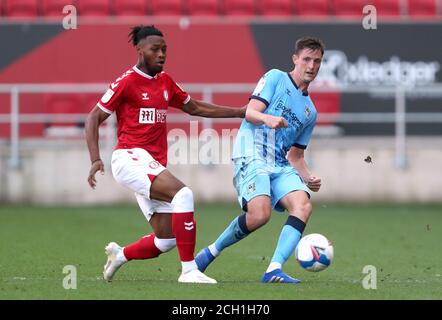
<point x="317" y="8"/>
<point x="203" y="7"/>
<point x="54" y="8"/>
<point x="348" y="8"/>
<point x="130" y="7"/>
<point x="167" y="7"/>
<point x="276" y="7"/>
<point x="21" y="8"/>
<point x="387" y="8"/>
<point x="422" y="8"/>
<point x="93" y="8"/>
<point x="326" y="103"/>
<point x="66" y="103"/>
<point x="239" y="7"/>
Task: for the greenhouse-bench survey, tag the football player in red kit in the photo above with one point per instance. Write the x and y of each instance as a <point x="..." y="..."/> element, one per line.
<point x="140" y="98"/>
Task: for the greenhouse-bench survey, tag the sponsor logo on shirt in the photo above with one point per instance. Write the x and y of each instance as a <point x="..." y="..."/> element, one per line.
<point x="288" y="114"/>
<point x="151" y="115"/>
<point x="161" y="116"/>
<point x="107" y="96"/>
<point x="147" y="115"/>
<point x="166" y="95"/>
<point x="259" y="87"/>
<point x="144" y="96"/>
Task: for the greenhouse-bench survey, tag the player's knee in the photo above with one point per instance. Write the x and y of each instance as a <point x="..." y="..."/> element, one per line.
<point x="307" y="207"/>
<point x="257" y="218"/>
<point x="183" y="201"/>
<point x="165" y="245"/>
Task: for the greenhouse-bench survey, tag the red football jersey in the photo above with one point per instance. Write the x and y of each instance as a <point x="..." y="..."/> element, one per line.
<point x="140" y="102"/>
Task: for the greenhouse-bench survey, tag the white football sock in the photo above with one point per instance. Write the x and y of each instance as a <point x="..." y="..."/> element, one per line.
<point x="120" y="255"/>
<point x="188" y="266"/>
<point x="274" y="266"/>
<point x="213" y="250"/>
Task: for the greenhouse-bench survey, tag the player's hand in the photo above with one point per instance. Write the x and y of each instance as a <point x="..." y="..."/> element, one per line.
<point x="314" y="183"/>
<point x="96" y="166"/>
<point x="275" y="122"/>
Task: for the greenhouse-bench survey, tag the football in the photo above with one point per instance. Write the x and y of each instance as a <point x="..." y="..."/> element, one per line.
<point x="314" y="252"/>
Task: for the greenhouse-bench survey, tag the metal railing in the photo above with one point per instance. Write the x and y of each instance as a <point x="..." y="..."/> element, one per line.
<point x="400" y="117"/>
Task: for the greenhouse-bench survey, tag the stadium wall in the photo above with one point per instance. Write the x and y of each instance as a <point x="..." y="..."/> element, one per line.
<point x="54" y="171"/>
<point x="52" y="177"/>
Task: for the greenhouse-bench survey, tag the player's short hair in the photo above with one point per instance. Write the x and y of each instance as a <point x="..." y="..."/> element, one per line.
<point x="310" y="43"/>
<point x="140" y="32"/>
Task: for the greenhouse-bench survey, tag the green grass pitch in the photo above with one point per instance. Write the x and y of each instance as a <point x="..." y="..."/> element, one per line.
<point x="401" y="241"/>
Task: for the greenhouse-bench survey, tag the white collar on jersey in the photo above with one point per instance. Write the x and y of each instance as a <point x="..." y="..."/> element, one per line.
<point x="141" y="73"/>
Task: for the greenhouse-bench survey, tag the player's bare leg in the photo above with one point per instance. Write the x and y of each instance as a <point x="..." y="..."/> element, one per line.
<point x="168" y="188"/>
<point x="258" y="214"/>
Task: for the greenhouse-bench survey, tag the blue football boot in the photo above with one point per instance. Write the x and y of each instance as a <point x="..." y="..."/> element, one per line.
<point x="277" y="276"/>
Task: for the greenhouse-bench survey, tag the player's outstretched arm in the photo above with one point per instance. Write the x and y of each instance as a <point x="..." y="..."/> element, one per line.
<point x="296" y="158"/>
<point x="93" y="121"/>
<point x="209" y="110"/>
<point x="255" y="114"/>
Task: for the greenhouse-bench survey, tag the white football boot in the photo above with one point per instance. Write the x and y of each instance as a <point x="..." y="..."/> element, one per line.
<point x="195" y="276"/>
<point x="115" y="259"/>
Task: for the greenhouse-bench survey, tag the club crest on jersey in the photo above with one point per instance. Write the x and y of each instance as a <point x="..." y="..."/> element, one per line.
<point x="144" y="96"/>
<point x="154" y="164"/>
<point x="166" y="95"/>
<point x="251" y="188"/>
<point x="307" y="112"/>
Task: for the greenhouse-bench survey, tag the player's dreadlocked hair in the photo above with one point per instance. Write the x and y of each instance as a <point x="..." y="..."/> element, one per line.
<point x="140" y="32"/>
<point x="309" y="42"/>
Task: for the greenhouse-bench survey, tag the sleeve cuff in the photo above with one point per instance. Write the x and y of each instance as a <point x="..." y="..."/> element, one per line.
<point x="103" y="108"/>
<point x="299" y="146"/>
<point x="260" y="99"/>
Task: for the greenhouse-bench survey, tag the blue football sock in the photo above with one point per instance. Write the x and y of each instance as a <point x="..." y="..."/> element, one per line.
<point x="290" y="235"/>
<point x="236" y="231"/>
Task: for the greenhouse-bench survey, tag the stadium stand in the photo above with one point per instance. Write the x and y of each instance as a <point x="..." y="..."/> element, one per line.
<point x="239" y="7"/>
<point x="276" y="7"/>
<point x="63" y="104"/>
<point x="422" y="8"/>
<point x="94" y="8"/>
<point x="203" y="7"/>
<point x="347" y="8"/>
<point x="21" y="8"/>
<point x="387" y="8"/>
<point x="316" y="8"/>
<point x="167" y="7"/>
<point x="129" y="7"/>
<point x="392" y="9"/>
<point x="53" y="8"/>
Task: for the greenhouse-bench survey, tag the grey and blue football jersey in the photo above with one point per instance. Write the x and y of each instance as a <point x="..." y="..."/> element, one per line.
<point x="277" y="90"/>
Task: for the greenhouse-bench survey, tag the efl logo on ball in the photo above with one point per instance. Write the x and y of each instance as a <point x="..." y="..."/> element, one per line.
<point x="314" y="252"/>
